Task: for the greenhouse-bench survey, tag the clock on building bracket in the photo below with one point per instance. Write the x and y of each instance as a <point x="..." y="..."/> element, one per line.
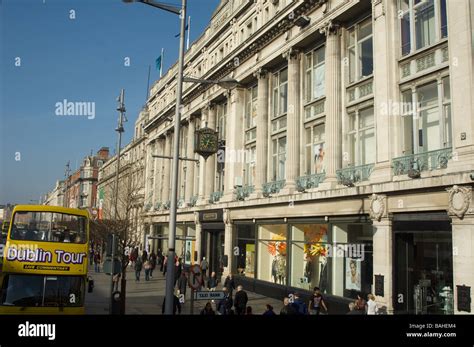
<point x="206" y="142"/>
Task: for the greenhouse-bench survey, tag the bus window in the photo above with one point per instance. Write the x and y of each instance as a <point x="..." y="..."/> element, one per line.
<point x="40" y="290"/>
<point x="48" y="227"/>
<point x="22" y="291"/>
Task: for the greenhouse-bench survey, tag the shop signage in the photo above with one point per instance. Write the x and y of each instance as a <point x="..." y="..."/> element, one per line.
<point x="464" y="298"/>
<point x="379" y="288"/>
<point x="211" y="216"/>
<point x="209" y="295"/>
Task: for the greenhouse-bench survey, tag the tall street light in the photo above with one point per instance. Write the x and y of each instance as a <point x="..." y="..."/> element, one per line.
<point x="169" y="293"/>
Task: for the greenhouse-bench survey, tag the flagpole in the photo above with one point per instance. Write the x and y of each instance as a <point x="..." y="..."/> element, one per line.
<point x="148" y="84"/>
<point x="189" y="30"/>
<point x="161" y="65"/>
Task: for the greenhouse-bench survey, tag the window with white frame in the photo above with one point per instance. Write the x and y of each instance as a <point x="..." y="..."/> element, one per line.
<point x="279" y="100"/>
<point x="251" y="98"/>
<point x="314" y="74"/>
<point x="427" y="117"/>
<point x="315" y="147"/>
<point x="360" y="50"/>
<point x="278" y="158"/>
<point x="250" y="161"/>
<point x="361" y="137"/>
<point x="422" y="23"/>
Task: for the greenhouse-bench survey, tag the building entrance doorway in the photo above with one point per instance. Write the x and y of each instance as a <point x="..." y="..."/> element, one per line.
<point x="423" y="267"/>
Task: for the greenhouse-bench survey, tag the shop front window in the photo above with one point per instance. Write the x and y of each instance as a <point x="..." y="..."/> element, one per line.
<point x="351" y="259"/>
<point x="272" y="251"/>
<point x="309" y="256"/>
<point x="245" y="257"/>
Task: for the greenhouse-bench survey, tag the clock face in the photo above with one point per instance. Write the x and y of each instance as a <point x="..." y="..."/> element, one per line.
<point x="208" y="142"/>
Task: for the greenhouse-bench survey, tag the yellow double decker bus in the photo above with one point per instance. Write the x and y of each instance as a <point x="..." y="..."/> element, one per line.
<point x="44" y="268"/>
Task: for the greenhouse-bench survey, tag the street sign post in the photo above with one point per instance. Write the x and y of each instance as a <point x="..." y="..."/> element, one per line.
<point x="209" y="295"/>
<point x="195" y="281"/>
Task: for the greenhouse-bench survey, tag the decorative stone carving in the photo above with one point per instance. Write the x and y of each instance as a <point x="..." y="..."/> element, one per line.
<point x="459" y="200"/>
<point x="260" y="73"/>
<point x="196" y="218"/>
<point x="226" y="216"/>
<point x="377" y="207"/>
<point x="292" y="53"/>
<point x="329" y="27"/>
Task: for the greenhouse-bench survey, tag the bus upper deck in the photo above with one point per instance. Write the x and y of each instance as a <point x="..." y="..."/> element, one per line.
<point x="45" y="261"/>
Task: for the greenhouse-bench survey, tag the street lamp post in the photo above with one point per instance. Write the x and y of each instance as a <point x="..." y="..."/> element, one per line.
<point x="169" y="293"/>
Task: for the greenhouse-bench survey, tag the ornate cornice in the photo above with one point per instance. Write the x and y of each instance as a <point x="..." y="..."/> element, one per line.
<point x="460" y="198"/>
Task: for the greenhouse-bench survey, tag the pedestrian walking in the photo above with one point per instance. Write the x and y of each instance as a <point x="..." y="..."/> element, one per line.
<point x="229" y="283"/>
<point x="153" y="263"/>
<point x="317" y="302"/>
<point x="147" y="267"/>
<point x="212" y="282"/>
<point x="269" y="311"/>
<point x="287" y="308"/>
<point x="182" y="283"/>
<point x="372" y="307"/>
<point x="207" y="310"/>
<point x="204" y="267"/>
<point x="224" y="306"/>
<point x="97" y="262"/>
<point x="138" y="269"/>
<point x="176" y="304"/>
<point x="299" y="305"/>
<point x="360" y="304"/>
<point x="240" y="301"/>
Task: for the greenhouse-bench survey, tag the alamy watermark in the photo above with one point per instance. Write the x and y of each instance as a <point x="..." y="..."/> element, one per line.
<point x="69" y="108"/>
<point x="350" y="250"/>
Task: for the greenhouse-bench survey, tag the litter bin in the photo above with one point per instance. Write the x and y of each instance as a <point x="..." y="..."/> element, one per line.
<point x="116" y="302"/>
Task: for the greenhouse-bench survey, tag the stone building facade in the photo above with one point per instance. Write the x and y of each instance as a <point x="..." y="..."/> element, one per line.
<point x="346" y="153"/>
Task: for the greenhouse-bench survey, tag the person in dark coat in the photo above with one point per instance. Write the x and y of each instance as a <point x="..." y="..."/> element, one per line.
<point x="240" y="301"/>
<point x="207" y="310"/>
<point x="229" y="283"/>
<point x="212" y="282"/>
<point x="138" y="269"/>
<point x="224" y="306"/>
<point x="269" y="311"/>
<point x="153" y="263"/>
<point x="287" y="308"/>
<point x="176" y="305"/>
<point x="182" y="283"/>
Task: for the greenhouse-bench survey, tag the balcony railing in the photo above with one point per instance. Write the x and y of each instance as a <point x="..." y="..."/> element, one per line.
<point x="413" y="164"/>
<point x="272" y="187"/>
<point x="309" y="181"/>
<point x="353" y="174"/>
<point x="193" y="200"/>
<point x="158" y="205"/>
<point x="181" y="203"/>
<point x="243" y="192"/>
<point x="167" y="205"/>
<point x="215" y="197"/>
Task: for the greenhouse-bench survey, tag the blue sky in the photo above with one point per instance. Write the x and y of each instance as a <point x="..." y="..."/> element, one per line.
<point x="81" y="60"/>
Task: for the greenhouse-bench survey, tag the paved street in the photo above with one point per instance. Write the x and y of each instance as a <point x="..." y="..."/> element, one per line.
<point x="146" y="297"/>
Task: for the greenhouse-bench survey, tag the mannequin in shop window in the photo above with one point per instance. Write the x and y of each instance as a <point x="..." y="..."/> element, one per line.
<point x="275" y="270"/>
<point x="308" y="269"/>
<point x="281" y="269"/>
<point x="323" y="261"/>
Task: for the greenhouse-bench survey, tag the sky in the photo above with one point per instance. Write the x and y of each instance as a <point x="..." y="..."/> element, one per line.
<point x="79" y="51"/>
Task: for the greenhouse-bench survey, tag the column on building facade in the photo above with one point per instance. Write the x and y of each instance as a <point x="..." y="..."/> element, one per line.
<point x="461" y="211"/>
<point x="166" y="169"/>
<point x="234" y="142"/>
<point x="210" y="172"/>
<point x="333" y="103"/>
<point x="154" y="149"/>
<point x="262" y="132"/>
<point x="382" y="260"/>
<point x="228" y="238"/>
<point x="197" y="248"/>
<point x="461" y="70"/>
<point x="159" y="148"/>
<point x="190" y="165"/>
<point x="292" y="165"/>
<point x="385" y="88"/>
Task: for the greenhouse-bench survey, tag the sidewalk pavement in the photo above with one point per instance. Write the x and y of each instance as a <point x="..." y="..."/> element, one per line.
<point x="146" y="297"/>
